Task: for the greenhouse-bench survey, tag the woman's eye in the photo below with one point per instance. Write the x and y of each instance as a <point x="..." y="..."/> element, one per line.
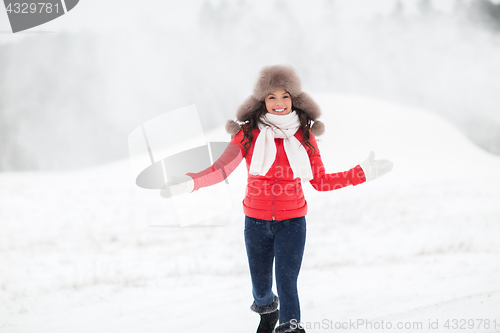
<point x="286" y="96"/>
<point x="271" y="97"/>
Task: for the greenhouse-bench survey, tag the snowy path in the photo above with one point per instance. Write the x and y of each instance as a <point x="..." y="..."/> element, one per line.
<point x="392" y="292"/>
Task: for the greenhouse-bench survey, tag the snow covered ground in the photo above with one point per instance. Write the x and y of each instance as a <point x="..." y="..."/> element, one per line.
<point x="86" y="251"/>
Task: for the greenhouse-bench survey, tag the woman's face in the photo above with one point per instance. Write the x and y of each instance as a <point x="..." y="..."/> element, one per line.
<point x="279" y="102"/>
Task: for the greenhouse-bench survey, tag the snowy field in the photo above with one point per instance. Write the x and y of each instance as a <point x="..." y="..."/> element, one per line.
<point x="88" y="251"/>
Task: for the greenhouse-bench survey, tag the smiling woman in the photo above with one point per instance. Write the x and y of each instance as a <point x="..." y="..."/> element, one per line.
<point x="279" y="102"/>
<point x="277" y="139"/>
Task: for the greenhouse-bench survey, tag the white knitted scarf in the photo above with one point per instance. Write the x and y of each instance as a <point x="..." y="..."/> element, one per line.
<point x="264" y="153"/>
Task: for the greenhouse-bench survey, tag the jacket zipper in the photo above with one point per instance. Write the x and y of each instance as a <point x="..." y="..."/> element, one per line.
<point x="275" y="183"/>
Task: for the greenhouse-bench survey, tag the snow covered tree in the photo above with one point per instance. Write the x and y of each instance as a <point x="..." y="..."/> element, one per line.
<point x="425" y="7"/>
<point x="398" y="8"/>
<point x="486" y="13"/>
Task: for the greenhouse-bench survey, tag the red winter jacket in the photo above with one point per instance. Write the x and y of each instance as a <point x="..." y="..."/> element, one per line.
<point x="277" y="195"/>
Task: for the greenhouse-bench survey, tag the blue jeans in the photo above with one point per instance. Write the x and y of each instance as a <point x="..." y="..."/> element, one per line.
<point x="284" y="242"/>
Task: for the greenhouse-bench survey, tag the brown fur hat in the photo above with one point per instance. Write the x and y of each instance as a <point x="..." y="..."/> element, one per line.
<point x="270" y="79"/>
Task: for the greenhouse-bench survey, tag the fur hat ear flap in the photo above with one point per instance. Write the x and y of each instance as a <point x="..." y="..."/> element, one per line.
<point x="318" y="128"/>
<point x="250" y="105"/>
<point x="304" y="102"/>
<point x="232" y="127"/>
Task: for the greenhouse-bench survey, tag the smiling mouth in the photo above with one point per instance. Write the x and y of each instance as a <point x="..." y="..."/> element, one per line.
<point x="279" y="110"/>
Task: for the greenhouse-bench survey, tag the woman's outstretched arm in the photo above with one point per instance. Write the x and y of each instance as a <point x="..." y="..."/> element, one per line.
<point x="223" y="167"/>
<point x="368" y="170"/>
<point x="323" y="181"/>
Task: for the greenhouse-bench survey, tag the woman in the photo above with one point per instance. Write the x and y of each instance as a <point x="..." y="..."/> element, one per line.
<point x="276" y="136"/>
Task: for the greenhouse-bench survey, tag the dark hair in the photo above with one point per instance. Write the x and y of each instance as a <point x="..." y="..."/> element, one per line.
<point x="253" y="118"/>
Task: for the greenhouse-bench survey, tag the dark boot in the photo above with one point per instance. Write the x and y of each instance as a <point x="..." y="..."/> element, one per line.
<point x="289" y="328"/>
<point x="269" y="315"/>
<point x="268" y="321"/>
